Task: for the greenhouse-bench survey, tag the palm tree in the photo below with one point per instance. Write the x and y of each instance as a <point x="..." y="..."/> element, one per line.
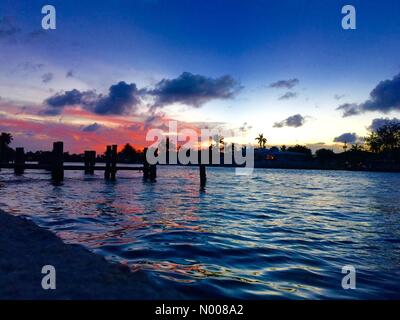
<point x="5" y="138"/>
<point x="219" y="142"/>
<point x="345" y="146"/>
<point x="357" y="148"/>
<point x="262" y="141"/>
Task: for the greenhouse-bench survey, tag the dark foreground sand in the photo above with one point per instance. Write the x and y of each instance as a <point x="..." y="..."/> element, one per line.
<point x="25" y="248"/>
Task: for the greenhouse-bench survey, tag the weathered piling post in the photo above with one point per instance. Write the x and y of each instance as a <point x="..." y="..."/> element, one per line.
<point x="113" y="162"/>
<point x="153" y="172"/>
<point x="90" y="161"/>
<point x="202" y="167"/>
<point x="153" y="169"/>
<point x="233" y="154"/>
<point x="57" y="169"/>
<point x="19" y="164"/>
<point x="167" y="150"/>
<point x="203" y="175"/>
<point x="107" y="171"/>
<point x="86" y="162"/>
<point x="1" y="153"/>
<point x="146" y="166"/>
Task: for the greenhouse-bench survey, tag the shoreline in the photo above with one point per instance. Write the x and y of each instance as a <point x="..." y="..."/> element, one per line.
<point x="80" y="275"/>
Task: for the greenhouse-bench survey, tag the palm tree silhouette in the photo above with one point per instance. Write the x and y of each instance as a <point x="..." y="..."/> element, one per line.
<point x="5" y="138"/>
<point x="262" y="141"/>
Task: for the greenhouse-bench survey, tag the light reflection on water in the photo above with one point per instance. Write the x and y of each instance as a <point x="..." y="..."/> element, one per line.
<point x="277" y="233"/>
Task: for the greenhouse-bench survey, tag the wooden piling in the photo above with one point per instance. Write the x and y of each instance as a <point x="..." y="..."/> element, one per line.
<point x="153" y="172"/>
<point x="19" y="164"/>
<point x="107" y="171"/>
<point x="90" y="161"/>
<point x="146" y="166"/>
<point x="167" y="150"/>
<point x="113" y="162"/>
<point x="202" y="167"/>
<point x="57" y="170"/>
<point x="203" y="175"/>
<point x="233" y="154"/>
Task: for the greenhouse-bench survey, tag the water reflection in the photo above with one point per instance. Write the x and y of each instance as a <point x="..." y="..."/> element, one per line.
<point x="277" y="233"/>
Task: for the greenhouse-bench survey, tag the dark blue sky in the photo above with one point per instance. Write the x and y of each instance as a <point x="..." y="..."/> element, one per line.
<point x="255" y="42"/>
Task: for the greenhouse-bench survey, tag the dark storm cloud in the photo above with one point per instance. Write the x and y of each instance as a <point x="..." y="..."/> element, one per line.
<point x="288" y="95"/>
<point x="193" y="90"/>
<point x="346" y="137"/>
<point x="70" y="98"/>
<point x="285" y="84"/>
<point x="92" y="127"/>
<point x="294" y="121"/>
<point x="121" y="99"/>
<point x="385" y="97"/>
<point x="380" y="122"/>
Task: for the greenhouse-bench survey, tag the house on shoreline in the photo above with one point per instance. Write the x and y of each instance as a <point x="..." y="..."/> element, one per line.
<point x="275" y="158"/>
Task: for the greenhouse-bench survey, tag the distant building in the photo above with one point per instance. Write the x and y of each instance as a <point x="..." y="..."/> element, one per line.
<point x="274" y="158"/>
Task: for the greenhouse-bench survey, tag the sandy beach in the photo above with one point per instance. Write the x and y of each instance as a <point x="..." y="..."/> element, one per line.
<point x="25" y="248"/>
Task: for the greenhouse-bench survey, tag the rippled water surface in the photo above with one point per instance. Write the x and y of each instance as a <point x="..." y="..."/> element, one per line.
<point x="275" y="234"/>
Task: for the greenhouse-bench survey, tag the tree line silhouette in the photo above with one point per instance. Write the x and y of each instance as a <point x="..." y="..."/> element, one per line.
<point x="381" y="151"/>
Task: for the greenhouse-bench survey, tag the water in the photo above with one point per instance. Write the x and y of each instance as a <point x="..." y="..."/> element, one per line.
<point x="275" y="234"/>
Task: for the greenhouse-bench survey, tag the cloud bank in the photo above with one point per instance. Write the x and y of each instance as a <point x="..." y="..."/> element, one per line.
<point x="288" y="95"/>
<point x="294" y="121"/>
<point x="385" y="97"/>
<point x="193" y="90"/>
<point x="347" y="138"/>
<point x="380" y="122"/>
<point x="123" y="98"/>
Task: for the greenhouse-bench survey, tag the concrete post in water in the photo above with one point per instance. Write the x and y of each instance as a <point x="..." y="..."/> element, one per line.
<point x="107" y="171"/>
<point x="146" y="166"/>
<point x="57" y="169"/>
<point x="114" y="162"/>
<point x="19" y="164"/>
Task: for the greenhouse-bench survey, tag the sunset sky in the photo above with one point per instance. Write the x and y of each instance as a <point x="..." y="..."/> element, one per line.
<point x="113" y="69"/>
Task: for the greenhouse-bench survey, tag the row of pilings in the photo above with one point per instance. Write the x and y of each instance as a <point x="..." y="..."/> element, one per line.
<point x="55" y="164"/>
